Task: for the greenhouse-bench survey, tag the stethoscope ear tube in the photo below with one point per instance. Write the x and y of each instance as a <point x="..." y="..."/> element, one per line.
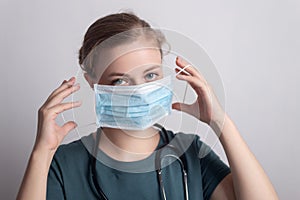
<point x="186" y="189"/>
<point x="161" y="184"/>
<point x="158" y="164"/>
<point x="159" y="172"/>
<point x="100" y="192"/>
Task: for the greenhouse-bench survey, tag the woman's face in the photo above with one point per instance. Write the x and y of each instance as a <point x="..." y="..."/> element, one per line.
<point x="134" y="67"/>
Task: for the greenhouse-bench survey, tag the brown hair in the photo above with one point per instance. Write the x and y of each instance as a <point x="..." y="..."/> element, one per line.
<point x="111" y="25"/>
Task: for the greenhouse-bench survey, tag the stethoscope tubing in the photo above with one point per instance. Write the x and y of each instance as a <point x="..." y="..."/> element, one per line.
<point x="159" y="169"/>
<point x="158" y="161"/>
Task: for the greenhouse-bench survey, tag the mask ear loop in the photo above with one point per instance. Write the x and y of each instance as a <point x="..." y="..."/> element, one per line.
<point x="186" y="86"/>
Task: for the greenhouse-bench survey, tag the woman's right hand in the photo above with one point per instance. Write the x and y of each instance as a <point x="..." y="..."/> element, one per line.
<point x="49" y="133"/>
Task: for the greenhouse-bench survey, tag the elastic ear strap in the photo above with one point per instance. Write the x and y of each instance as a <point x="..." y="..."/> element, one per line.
<point x="183" y="70"/>
<point x="186" y="86"/>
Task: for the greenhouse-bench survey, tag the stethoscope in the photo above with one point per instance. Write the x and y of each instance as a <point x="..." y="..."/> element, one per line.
<point x="158" y="164"/>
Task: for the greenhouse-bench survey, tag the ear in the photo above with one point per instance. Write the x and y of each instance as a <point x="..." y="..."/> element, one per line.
<point x="89" y="80"/>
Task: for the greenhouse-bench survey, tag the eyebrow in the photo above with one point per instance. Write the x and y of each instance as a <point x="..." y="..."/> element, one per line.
<point x="124" y="74"/>
<point x="117" y="74"/>
<point x="152" y="68"/>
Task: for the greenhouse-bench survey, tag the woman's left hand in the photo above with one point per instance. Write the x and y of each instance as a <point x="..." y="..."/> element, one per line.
<point x="207" y="107"/>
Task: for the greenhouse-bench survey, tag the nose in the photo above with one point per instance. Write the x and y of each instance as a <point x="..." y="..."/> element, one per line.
<point x="137" y="81"/>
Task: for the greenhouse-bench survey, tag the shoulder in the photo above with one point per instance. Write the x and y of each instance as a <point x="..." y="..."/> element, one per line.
<point x="190" y="141"/>
<point x="69" y="168"/>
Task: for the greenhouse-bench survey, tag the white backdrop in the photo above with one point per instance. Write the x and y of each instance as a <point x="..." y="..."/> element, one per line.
<point x="254" y="45"/>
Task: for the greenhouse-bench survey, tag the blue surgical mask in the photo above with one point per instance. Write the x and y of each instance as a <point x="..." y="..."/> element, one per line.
<point x="135" y="107"/>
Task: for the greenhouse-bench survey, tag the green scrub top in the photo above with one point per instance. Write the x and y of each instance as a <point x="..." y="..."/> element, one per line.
<point x="70" y="173"/>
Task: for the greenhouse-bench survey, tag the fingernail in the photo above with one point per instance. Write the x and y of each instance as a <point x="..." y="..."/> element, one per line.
<point x="179" y="76"/>
<point x="76" y="103"/>
<point x="76" y="85"/>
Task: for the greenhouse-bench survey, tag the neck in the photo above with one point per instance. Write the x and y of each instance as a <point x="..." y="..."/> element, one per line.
<point x="128" y="146"/>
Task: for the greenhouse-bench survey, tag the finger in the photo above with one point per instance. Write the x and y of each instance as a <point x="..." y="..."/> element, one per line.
<point x="181" y="107"/>
<point x="59" y="108"/>
<point x="201" y="88"/>
<point x="191" y="109"/>
<point x="65" y="84"/>
<point x="193" y="81"/>
<point x="182" y="70"/>
<point x="180" y="62"/>
<point x="67" y="127"/>
<point x="62" y="95"/>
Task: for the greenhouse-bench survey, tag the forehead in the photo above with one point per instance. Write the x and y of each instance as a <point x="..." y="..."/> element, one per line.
<point x="136" y="59"/>
<point x="127" y="57"/>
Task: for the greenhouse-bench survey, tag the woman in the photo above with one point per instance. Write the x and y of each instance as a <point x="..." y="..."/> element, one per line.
<point x="63" y="172"/>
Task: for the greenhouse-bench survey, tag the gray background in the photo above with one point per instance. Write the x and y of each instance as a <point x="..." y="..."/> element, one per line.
<point x="254" y="45"/>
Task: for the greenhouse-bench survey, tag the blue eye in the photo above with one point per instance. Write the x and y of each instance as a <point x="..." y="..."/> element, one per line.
<point x="150" y="76"/>
<point x="118" y="82"/>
